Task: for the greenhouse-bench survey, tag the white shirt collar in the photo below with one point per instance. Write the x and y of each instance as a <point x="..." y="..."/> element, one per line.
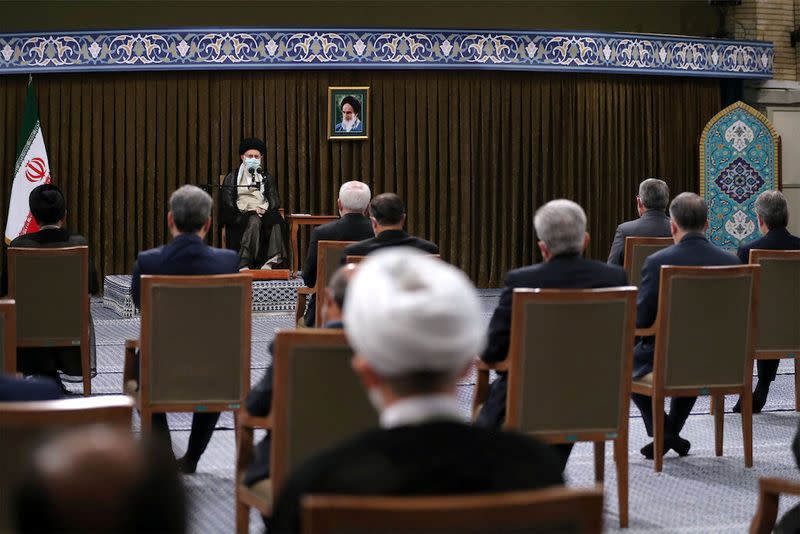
<point x="421" y="409"/>
<point x="50" y="227"/>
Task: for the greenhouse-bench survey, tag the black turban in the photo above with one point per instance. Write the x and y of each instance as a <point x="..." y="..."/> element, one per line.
<point x="355" y="104"/>
<point x="252" y="143"/>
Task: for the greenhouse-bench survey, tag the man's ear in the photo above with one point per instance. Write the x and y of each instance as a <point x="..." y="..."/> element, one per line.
<point x="368" y="377"/>
<point x="585" y="240"/>
<point x="543" y="249"/>
<point x="403" y="220"/>
<point x="207" y="225"/>
<point x="170" y="220"/>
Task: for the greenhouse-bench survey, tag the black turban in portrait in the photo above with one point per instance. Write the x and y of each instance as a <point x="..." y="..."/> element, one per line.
<point x="252" y="143"/>
<point x="355" y="104"/>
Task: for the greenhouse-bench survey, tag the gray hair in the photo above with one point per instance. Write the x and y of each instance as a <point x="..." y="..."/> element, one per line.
<point x="689" y="212"/>
<point x="355" y="195"/>
<point x="190" y="207"/>
<point x="654" y="194"/>
<point x="771" y="206"/>
<point x="561" y="224"/>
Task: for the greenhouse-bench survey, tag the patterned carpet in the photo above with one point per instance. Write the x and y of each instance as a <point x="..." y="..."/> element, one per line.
<point x="699" y="493"/>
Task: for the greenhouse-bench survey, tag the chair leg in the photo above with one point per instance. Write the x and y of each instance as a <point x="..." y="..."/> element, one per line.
<point x="796" y="384"/>
<point x="621" y="456"/>
<point x="747" y="427"/>
<point x="599" y="461"/>
<point x="717" y="402"/>
<point x="86" y="364"/>
<point x="242" y="517"/>
<point x="658" y="432"/>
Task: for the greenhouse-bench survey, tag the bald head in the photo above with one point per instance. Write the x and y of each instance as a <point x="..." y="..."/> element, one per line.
<point x="99" y="479"/>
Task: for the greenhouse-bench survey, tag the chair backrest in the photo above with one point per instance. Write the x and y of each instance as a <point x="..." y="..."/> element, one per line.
<point x="51" y="289"/>
<point x="583" y="338"/>
<point x="706" y="325"/>
<point x="25" y="424"/>
<point x="329" y="258"/>
<point x="8" y="331"/>
<point x="181" y="332"/>
<point x="548" y="510"/>
<point x="637" y="249"/>
<point x="359" y="259"/>
<point x="318" y="400"/>
<point x="778" y="300"/>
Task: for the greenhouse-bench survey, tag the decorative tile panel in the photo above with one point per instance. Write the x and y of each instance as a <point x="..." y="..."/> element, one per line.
<point x="739" y="159"/>
<point x="265" y="48"/>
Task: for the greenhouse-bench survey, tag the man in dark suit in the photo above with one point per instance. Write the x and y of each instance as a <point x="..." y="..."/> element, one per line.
<point x="259" y="400"/>
<point x="688" y="225"/>
<point x="790" y="522"/>
<point x="189" y="219"/>
<point x="561" y="228"/>
<point x="48" y="208"/>
<point x="353" y="225"/>
<point x="773" y="217"/>
<point x="14" y="389"/>
<point x="414" y="323"/>
<point x="388" y="215"/>
<point x="652" y="222"/>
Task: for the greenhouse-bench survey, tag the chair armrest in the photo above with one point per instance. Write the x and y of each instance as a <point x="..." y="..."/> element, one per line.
<point x="500" y="367"/>
<point x="646" y="332"/>
<point x="302" y="298"/>
<point x="245" y="420"/>
<point x="769" y="490"/>
<point x="305" y="290"/>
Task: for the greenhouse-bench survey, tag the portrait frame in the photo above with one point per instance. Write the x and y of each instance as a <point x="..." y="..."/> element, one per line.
<point x="334" y="124"/>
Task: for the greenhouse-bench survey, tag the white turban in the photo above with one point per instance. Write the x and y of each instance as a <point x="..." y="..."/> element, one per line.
<point x="406" y="311"/>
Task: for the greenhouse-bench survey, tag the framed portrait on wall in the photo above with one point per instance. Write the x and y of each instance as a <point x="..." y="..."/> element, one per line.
<point x="348" y="112"/>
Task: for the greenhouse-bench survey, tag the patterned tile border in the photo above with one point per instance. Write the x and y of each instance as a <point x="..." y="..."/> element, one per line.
<point x="267" y="48"/>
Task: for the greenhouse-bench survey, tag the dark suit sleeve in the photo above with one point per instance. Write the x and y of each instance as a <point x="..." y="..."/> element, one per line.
<point x="744" y="254"/>
<point x="136" y="279"/>
<point x="647" y="301"/>
<point x="617" y="254"/>
<point x="500" y="326"/>
<point x="310" y="265"/>
<point x="259" y="400"/>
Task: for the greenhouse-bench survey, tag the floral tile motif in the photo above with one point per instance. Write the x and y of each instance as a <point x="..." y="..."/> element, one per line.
<point x="266" y="48"/>
<point x="739" y="180"/>
<point x="739" y="160"/>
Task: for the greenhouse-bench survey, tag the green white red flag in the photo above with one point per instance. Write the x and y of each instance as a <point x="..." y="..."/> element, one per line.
<point x="31" y="169"/>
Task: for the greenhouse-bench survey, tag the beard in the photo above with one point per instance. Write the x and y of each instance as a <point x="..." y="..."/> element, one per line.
<point x="348" y="125"/>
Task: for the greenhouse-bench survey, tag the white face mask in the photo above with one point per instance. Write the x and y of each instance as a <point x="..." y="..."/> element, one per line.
<point x="252" y="163"/>
<point x="376" y="398"/>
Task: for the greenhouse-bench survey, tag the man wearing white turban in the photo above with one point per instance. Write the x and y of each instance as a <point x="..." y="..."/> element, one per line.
<point x="415" y="325"/>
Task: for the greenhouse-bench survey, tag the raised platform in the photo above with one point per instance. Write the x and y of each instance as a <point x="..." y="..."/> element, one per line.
<point x="268" y="295"/>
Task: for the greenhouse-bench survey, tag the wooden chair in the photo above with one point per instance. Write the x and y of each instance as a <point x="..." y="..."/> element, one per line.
<point x="52" y="310"/>
<point x="637" y="249"/>
<point x="778" y="308"/>
<point x="547" y="510"/>
<point x="359" y="259"/>
<point x="329" y="258"/>
<point x="769" y="492"/>
<point x="311" y="367"/>
<point x="8" y="329"/>
<point x="703" y="349"/>
<point x="545" y="371"/>
<point x="24" y="424"/>
<point x="181" y="332"/>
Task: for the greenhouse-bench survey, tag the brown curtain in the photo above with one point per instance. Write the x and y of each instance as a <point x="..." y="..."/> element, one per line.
<point x="472" y="153"/>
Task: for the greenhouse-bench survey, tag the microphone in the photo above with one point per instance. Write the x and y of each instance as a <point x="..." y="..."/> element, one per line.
<point x="254" y="173"/>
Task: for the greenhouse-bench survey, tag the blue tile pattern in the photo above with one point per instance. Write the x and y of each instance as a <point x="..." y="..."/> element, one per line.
<point x="270" y="48"/>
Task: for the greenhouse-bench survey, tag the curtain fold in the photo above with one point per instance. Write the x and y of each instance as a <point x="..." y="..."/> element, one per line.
<point x="472" y="153"/>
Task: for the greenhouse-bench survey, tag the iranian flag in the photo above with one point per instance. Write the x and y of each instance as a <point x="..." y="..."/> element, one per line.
<point x="31" y="169"/>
